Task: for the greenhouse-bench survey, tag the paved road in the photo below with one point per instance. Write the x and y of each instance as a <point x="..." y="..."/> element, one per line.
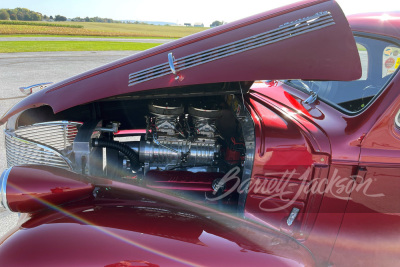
<point x="22" y="69"/>
<point x="157" y="41"/>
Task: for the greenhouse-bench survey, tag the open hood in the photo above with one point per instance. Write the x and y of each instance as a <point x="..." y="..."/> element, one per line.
<point x="310" y="40"/>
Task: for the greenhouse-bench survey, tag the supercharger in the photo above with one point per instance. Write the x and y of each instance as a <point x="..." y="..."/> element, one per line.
<point x="178" y="139"/>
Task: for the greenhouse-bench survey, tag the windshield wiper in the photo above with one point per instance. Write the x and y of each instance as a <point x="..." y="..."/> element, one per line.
<point x="313" y="95"/>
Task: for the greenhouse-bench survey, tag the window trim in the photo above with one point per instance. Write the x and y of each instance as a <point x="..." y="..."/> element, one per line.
<point x="397" y="120"/>
<point x="389" y="40"/>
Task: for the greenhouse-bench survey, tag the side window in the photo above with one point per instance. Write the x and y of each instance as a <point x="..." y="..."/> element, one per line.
<point x="379" y="61"/>
<point x="362" y="51"/>
<point x="391" y="60"/>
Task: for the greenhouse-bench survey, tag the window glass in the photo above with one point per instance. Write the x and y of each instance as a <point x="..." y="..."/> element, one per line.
<point x="379" y="61"/>
<point x="362" y="51"/>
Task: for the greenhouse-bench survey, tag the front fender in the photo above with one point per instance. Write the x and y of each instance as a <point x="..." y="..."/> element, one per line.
<point x="131" y="226"/>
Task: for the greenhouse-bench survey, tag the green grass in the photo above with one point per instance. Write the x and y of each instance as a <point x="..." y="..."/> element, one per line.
<point x="361" y="47"/>
<point x="46" y="46"/>
<point x="78" y="36"/>
<point x="34" y="23"/>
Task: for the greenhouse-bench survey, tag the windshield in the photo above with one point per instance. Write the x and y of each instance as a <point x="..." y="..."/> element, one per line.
<point x="379" y="61"/>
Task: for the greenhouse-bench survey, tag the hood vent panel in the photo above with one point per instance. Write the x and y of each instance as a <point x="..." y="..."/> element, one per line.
<point x="285" y="31"/>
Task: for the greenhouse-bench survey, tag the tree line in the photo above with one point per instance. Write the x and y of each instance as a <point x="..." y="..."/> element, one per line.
<point x="20" y="14"/>
<point x="94" y="19"/>
<point x="25" y="14"/>
<point x="217" y="23"/>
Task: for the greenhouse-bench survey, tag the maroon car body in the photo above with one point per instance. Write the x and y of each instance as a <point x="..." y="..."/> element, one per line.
<point x="176" y="156"/>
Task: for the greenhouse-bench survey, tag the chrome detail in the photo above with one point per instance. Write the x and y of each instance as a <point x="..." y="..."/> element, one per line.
<point x="309" y="18"/>
<point x="42" y="143"/>
<point x="292" y="216"/>
<point x="204" y="120"/>
<point x="171" y="62"/>
<point x="171" y="153"/>
<point x="397" y="119"/>
<point x="313" y="95"/>
<point x="28" y="89"/>
<point x="21" y="152"/>
<point x="178" y="140"/>
<point x="155" y="140"/>
<point x="166" y="108"/>
<point x="112" y="129"/>
<point x="312" y="98"/>
<point x="217" y="185"/>
<point x="302" y="26"/>
<point x="244" y="117"/>
<point x="166" y="115"/>
<point x="3" y="189"/>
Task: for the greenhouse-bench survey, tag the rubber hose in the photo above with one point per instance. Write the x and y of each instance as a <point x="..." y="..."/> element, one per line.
<point x="124" y="149"/>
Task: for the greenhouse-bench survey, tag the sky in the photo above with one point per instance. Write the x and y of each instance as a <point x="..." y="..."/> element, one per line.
<point x="179" y="11"/>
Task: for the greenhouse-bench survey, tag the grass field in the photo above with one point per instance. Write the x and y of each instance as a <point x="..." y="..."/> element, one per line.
<point x="41" y="46"/>
<point x="85" y="29"/>
<point x="361" y="47"/>
<point x="17" y="22"/>
<point x="101" y="29"/>
<point x="79" y="36"/>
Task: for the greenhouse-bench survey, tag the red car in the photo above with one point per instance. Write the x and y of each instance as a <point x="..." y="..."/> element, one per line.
<point x="272" y="140"/>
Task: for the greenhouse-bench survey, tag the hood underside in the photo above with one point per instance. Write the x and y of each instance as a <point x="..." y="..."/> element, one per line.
<point x="310" y="40"/>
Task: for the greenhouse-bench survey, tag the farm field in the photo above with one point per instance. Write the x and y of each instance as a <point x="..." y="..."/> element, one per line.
<point x="99" y="29"/>
<point x="47" y="46"/>
<point x="79" y="36"/>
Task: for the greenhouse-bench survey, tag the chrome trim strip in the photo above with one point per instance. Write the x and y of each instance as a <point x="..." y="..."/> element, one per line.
<point x="248" y="131"/>
<point x="289" y="30"/>
<point x="397" y="119"/>
<point x="276" y="35"/>
<point x="171" y="60"/>
<point x="3" y="190"/>
<point x="48" y="123"/>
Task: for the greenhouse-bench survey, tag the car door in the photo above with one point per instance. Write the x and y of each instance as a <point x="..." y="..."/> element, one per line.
<point x="306" y="40"/>
<point x="369" y="233"/>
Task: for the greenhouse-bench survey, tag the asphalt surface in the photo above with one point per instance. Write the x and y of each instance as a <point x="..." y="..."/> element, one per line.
<point x="156" y="41"/>
<point x="23" y="69"/>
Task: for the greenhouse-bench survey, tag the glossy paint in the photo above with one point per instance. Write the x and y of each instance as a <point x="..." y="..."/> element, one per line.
<point x="362" y="231"/>
<point x="302" y="57"/>
<point x="348" y="144"/>
<point x="288" y="152"/>
<point x="373" y="221"/>
<point x="30" y="189"/>
<point x="312" y="142"/>
<point x="383" y="23"/>
<point x="130" y="224"/>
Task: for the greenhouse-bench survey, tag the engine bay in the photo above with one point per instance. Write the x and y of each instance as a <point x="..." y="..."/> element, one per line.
<point x="182" y="145"/>
<point x="186" y="147"/>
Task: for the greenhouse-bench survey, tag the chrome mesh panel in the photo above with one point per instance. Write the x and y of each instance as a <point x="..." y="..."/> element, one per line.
<point x="41" y="143"/>
<point x="285" y="31"/>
